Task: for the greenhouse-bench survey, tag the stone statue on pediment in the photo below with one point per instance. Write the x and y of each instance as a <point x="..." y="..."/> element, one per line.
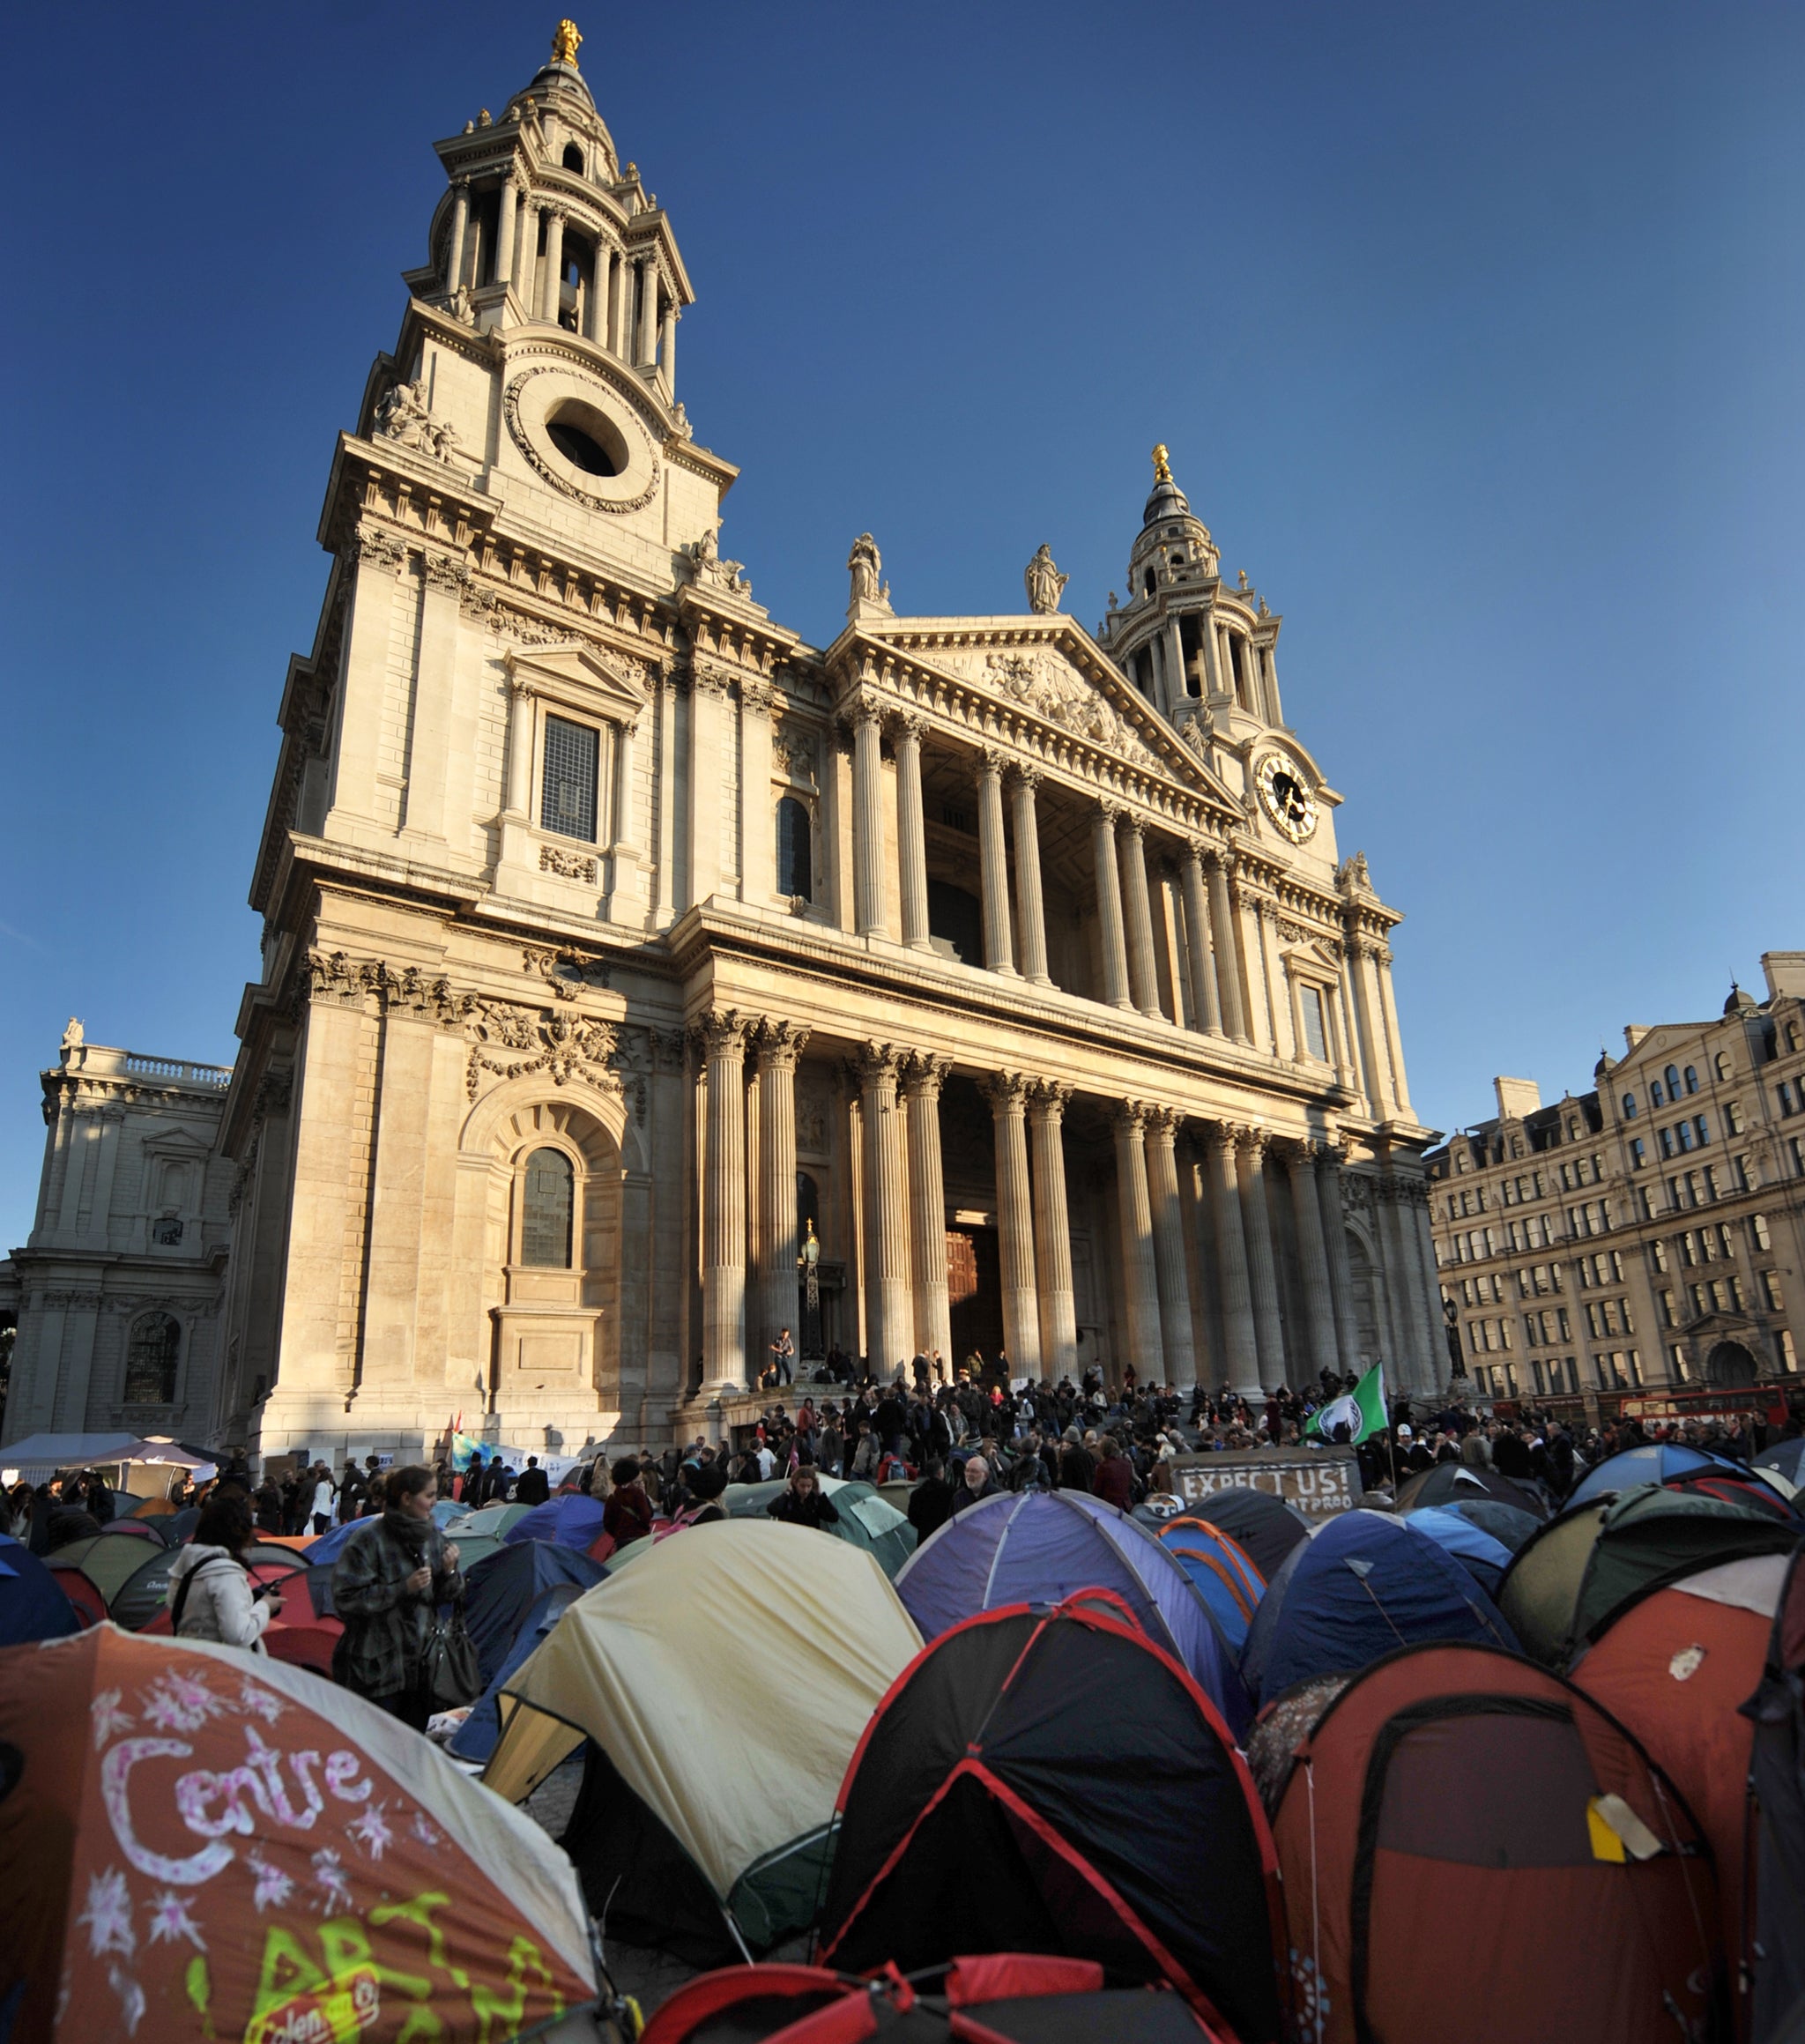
<point x="404" y="416"/>
<point x="1045" y="582"/>
<point x="73" y="1039"/>
<point x="866" y="565"/>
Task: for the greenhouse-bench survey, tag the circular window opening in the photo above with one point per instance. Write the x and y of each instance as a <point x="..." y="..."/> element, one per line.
<point x="587" y="440"/>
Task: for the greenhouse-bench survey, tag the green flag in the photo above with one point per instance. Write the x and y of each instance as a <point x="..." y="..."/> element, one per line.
<point x="1361" y="1410"/>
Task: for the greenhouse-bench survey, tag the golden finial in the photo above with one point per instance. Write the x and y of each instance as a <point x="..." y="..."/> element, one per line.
<point x="565" y="38"/>
<point x="1161" y="471"/>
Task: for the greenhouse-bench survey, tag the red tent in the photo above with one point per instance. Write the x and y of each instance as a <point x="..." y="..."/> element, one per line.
<point x="1470" y="1847"/>
<point x="1676" y="1668"/>
<point x="196" y="1843"/>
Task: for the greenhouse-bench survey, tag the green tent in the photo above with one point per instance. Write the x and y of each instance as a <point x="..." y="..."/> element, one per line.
<point x="866" y="1519"/>
<point x="1583" y="1568"/>
<point x="492" y="1518"/>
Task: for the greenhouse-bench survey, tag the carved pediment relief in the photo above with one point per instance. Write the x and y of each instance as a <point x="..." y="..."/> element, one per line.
<point x="595" y="678"/>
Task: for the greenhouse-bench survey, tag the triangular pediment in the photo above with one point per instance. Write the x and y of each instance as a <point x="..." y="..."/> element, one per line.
<point x="177" y="1142"/>
<point x="582" y="672"/>
<point x="1051" y="668"/>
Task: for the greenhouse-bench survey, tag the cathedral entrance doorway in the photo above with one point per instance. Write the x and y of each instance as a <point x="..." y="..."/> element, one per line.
<point x="1731" y="1364"/>
<point x="974" y="1292"/>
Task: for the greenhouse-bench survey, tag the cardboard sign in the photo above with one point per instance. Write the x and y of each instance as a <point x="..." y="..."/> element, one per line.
<point x="1319" y="1481"/>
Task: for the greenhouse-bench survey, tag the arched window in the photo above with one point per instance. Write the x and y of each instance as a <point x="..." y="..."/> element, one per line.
<point x="151" y="1358"/>
<point x="795" y="850"/>
<point x="1147" y="582"/>
<point x="548" y="1202"/>
<point x="1672" y="1076"/>
<point x="1723" y="1064"/>
<point x="1691" y="1078"/>
<point x="572" y="157"/>
<point x="1656" y="1097"/>
<point x="1628" y="1107"/>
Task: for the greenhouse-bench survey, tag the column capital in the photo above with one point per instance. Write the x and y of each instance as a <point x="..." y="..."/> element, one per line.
<point x="1196" y="851"/>
<point x="721" y="1032"/>
<point x="875" y="1064"/>
<point x="923" y="1073"/>
<point x="862" y="706"/>
<point x="1111" y="813"/>
<point x="1007" y="1091"/>
<point x="756" y="694"/>
<point x="1027" y="777"/>
<point x="992" y="760"/>
<point x="1255" y="1141"/>
<point x="1048" y="1099"/>
<point x="1128" y="1117"/>
<point x="780" y="1044"/>
<point x="902" y="723"/>
<point x="1163" y="1124"/>
<point x="1135" y="826"/>
<point x="1330" y="1152"/>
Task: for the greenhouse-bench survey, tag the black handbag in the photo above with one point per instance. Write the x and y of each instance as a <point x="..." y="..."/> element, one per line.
<point x="449" y="1673"/>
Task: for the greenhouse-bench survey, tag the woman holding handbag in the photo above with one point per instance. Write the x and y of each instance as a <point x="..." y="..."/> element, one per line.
<point x="387" y="1585"/>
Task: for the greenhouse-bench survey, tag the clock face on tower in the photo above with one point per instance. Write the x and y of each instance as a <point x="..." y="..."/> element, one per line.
<point x="1285" y="795"/>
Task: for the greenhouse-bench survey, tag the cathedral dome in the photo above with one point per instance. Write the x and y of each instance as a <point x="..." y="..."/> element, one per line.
<point x="1171" y="535"/>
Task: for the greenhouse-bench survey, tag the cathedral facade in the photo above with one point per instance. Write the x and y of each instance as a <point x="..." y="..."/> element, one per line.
<point x="639" y="981"/>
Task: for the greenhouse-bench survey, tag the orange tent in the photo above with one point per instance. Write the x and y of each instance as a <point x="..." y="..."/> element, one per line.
<point x="1676" y="1669"/>
<point x="201" y="1843"/>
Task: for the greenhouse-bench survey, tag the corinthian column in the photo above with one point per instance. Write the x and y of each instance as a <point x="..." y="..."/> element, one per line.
<point x="1256" y="1218"/>
<point x="724" y="1206"/>
<point x="1221" y="922"/>
<point x="868" y="818"/>
<point x="1140" y="1288"/>
<point x="1026" y="835"/>
<point x="1168" y="1246"/>
<point x="993" y="859"/>
<point x="1142" y="977"/>
<point x="922" y="1078"/>
<point x="887" y="1310"/>
<point x="554" y="284"/>
<point x="1053" y="1232"/>
<point x="1007" y="1092"/>
<point x="507" y="205"/>
<point x="779" y="1046"/>
<point x="1334" y="1228"/>
<point x="911" y="832"/>
<point x="1240" y="1339"/>
<point x="1312" y="1258"/>
<point x="1204" y="1007"/>
<point x="1109" y="904"/>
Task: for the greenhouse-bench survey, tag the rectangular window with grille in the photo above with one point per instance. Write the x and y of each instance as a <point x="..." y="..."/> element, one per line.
<point x="568" y="804"/>
<point x="1315" y="1036"/>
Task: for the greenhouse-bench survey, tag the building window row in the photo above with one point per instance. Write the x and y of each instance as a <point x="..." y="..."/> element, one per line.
<point x="1684" y="1135"/>
<point x="1547" y="1327"/>
<point x="1620" y="1370"/>
<point x="1608" y="1317"/>
<point x="1717" y="1295"/>
<point x="1673" y="1093"/>
<point x="1485" y="1337"/>
<point x="1556" y="1375"/>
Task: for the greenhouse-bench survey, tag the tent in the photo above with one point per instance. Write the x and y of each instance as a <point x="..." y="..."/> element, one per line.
<point x="109" y="1563"/>
<point x="1777" y="1776"/>
<point x="141" y="1597"/>
<point x="1454" y="1482"/>
<point x="1483" y="1556"/>
<point x="1564" y="1586"/>
<point x="1653" y="1463"/>
<point x="1051" y="1782"/>
<point x="1220" y="1572"/>
<point x="475" y="1738"/>
<point x="31" y="1606"/>
<point x="288" y="1575"/>
<point x="1471" y="1847"/>
<point x="724" y="1681"/>
<point x="568" y="1519"/>
<point x="867" y="1519"/>
<point x="473" y="1543"/>
<point x="87" y="1603"/>
<point x="1366" y="1584"/>
<point x="1506" y="1523"/>
<point x="1040" y="1546"/>
<point x="502" y="1587"/>
<point x="197" y="1842"/>
<point x="306" y="1631"/>
<point x="141" y="1529"/>
<point x="1785" y="1460"/>
<point x="1011" y="1997"/>
<point x="1263" y="1524"/>
<point x="491" y="1518"/>
<point x="1763" y="1489"/>
<point x="1676" y="1669"/>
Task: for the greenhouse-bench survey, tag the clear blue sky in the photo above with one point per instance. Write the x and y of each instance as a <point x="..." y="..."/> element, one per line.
<point x="1474" y="335"/>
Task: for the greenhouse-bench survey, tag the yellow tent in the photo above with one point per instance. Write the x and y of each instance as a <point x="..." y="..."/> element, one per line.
<point x="724" y="1681"/>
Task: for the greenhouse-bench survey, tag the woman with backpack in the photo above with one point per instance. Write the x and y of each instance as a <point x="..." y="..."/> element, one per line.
<point x="210" y="1595"/>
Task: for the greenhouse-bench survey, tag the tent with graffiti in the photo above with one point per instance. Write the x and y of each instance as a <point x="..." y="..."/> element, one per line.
<point x="198" y="1843"/>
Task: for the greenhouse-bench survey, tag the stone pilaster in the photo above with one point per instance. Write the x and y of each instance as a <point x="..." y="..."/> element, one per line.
<point x="1168" y="1246"/>
<point x="1330" y="1157"/>
<point x="1141" y="1289"/>
<point x="723" y="1036"/>
<point x="1313" y="1259"/>
<point x="780" y="1044"/>
<point x="1240" y="1338"/>
<point x="1256" y="1217"/>
<point x="1027" y="886"/>
<point x="1008" y="1094"/>
<point x="1143" y="977"/>
<point x="1221" y="930"/>
<point x="868" y="818"/>
<point x="1111" y="938"/>
<point x="911" y="832"/>
<point x="1053" y="1232"/>
<point x="1204" y="1007"/>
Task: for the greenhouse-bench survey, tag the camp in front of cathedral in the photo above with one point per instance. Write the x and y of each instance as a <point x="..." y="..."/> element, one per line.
<point x="798" y="1386"/>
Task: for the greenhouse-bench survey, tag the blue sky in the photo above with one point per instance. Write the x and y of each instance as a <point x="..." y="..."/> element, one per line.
<point x="1474" y="334"/>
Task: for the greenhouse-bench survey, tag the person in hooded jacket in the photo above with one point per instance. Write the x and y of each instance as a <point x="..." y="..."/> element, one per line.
<point x="210" y="1592"/>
